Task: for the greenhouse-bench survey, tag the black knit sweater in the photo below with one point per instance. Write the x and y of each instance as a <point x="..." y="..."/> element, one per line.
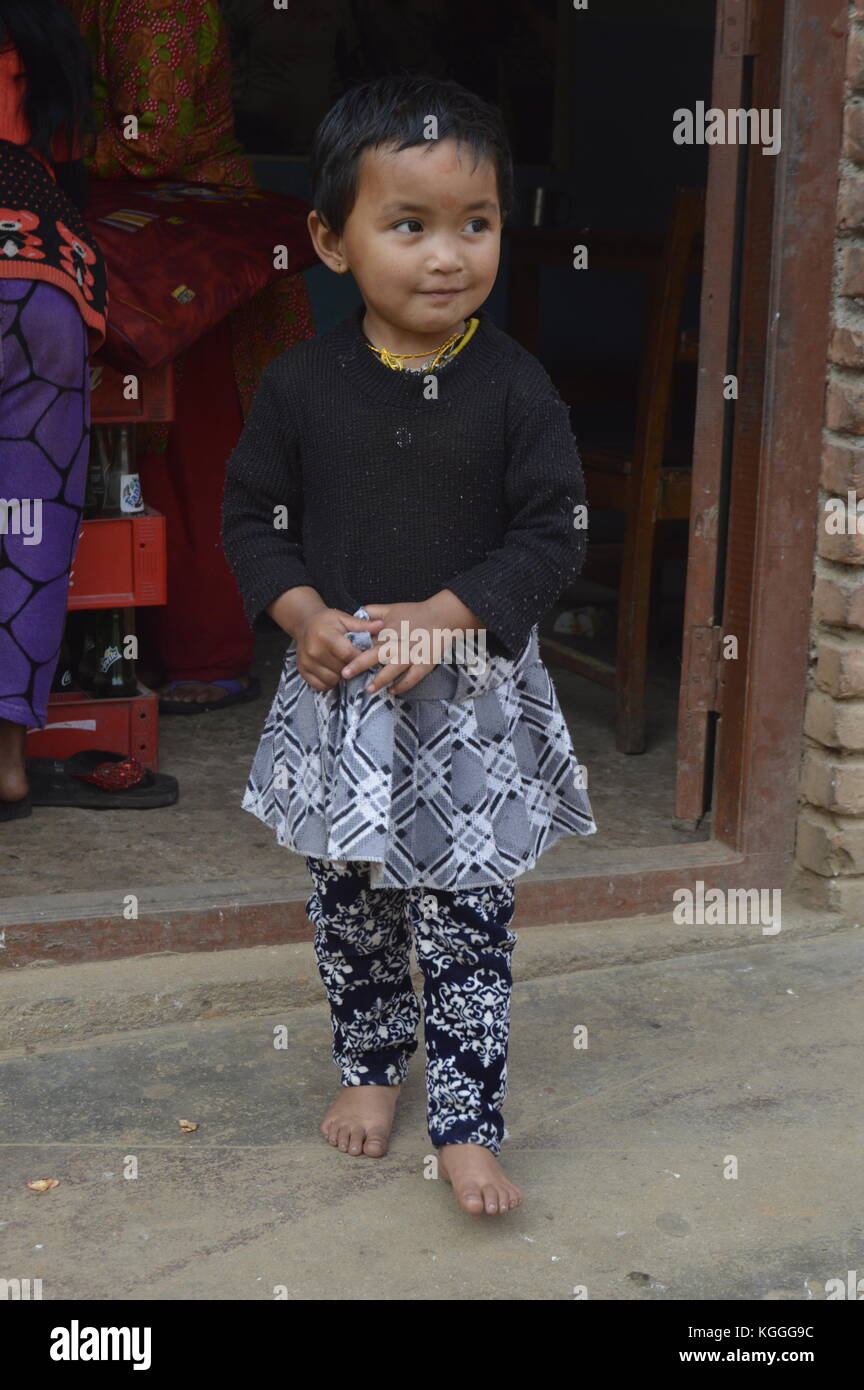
<point x="390" y="496"/>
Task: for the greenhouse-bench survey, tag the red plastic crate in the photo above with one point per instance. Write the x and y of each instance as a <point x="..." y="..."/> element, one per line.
<point x="120" y="562"/>
<point x="108" y="405"/>
<point x="77" y="721"/>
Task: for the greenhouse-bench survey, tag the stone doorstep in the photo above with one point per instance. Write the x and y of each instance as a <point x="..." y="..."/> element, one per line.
<point x="48" y="1004"/>
<point x="62" y="928"/>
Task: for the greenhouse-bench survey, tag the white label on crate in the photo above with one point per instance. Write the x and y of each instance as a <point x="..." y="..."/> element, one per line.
<point x="88" y="724"/>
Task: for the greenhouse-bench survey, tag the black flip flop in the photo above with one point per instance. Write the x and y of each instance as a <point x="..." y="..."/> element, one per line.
<point x="16" y="810"/>
<point x="99" y="780"/>
<point x="235" y="695"/>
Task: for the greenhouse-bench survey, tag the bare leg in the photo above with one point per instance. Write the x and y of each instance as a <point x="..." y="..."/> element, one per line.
<point x="13" y="776"/>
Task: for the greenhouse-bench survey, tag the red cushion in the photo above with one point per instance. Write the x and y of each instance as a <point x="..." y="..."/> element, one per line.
<point x="181" y="256"/>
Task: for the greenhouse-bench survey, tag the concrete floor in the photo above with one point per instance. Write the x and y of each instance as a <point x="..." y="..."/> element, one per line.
<point x="751" y="1051"/>
<point x="206" y="836"/>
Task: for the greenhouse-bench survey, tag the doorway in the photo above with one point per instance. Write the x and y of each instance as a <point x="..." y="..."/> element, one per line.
<point x="694" y="803"/>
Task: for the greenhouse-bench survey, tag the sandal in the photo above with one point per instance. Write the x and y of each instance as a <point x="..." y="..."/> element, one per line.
<point x="237" y="694"/>
<point x="98" y="780"/>
<point x="15" y="810"/>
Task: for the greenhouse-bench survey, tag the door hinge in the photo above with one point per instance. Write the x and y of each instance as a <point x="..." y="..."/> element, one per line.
<point x="705" y="682"/>
<point x="739" y="28"/>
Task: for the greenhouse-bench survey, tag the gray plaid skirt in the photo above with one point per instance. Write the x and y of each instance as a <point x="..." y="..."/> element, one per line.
<point x="460" y="783"/>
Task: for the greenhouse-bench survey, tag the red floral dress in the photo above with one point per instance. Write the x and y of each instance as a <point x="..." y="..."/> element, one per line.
<point x="169" y="65"/>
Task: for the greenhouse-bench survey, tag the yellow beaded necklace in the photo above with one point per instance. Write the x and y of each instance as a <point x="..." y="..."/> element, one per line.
<point x="397" y="360"/>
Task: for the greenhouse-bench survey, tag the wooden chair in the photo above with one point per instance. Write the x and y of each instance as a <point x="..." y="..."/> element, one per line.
<point x="640" y="475"/>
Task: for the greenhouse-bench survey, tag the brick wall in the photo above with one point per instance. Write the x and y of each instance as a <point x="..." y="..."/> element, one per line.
<point x="830" y="839"/>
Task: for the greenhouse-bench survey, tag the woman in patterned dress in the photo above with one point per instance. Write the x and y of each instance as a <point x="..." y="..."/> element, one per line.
<point x="52" y="315"/>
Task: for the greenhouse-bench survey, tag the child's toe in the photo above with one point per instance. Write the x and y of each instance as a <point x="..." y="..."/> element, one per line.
<point x="376" y="1143"/>
<point x="471" y="1199"/>
<point x="490" y="1198"/>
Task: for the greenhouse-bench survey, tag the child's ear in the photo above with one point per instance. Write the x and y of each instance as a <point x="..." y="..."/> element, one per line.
<point x="325" y="243"/>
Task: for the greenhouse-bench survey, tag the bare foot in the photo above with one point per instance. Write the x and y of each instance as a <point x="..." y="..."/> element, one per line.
<point x="360" y="1119"/>
<point x="198" y="692"/>
<point x="478" y="1179"/>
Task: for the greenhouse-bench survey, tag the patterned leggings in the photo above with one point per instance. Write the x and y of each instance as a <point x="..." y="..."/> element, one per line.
<point x="44" y="441"/>
<point x="464" y="947"/>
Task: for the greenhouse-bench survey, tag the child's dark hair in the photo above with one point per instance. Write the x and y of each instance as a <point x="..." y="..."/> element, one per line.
<point x="394" y="111"/>
<point x="55" y="86"/>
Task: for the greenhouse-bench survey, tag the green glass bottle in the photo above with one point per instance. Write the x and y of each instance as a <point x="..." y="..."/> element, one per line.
<point x="90" y="640"/>
<point x="97" y="468"/>
<point x="63" y="673"/>
<point x="114" y="678"/>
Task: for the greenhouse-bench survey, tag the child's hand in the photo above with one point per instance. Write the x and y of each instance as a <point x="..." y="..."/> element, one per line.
<point x="391" y="616"/>
<point x="323" y="648"/>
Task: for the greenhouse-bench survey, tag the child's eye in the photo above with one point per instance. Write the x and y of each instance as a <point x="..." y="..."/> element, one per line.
<point x="418" y="226"/>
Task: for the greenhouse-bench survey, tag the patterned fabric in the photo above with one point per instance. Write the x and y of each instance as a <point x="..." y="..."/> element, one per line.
<point x="170" y="66"/>
<point x="278" y="316"/>
<point x="461" y="783"/>
<point x="44" y="237"/>
<point x="274" y="319"/>
<point x="44" y="444"/>
<point x="464" y="946"/>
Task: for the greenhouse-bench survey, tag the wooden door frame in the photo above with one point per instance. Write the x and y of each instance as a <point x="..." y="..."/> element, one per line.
<point x="724" y="200"/>
<point x="759" y="743"/>
<point x="759" y="747"/>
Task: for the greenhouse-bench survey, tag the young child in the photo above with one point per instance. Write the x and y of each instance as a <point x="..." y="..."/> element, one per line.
<point x="412" y="474"/>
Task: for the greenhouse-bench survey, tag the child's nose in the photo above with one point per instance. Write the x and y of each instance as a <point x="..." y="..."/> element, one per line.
<point x="445" y="254"/>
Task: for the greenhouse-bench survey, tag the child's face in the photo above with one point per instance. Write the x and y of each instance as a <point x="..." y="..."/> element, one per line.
<point x="424" y="220"/>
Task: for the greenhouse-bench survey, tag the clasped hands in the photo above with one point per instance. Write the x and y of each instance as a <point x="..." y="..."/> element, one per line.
<point x="325" y="654"/>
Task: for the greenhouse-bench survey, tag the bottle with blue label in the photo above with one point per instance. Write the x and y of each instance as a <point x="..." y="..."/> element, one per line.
<point x="123" y="493"/>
